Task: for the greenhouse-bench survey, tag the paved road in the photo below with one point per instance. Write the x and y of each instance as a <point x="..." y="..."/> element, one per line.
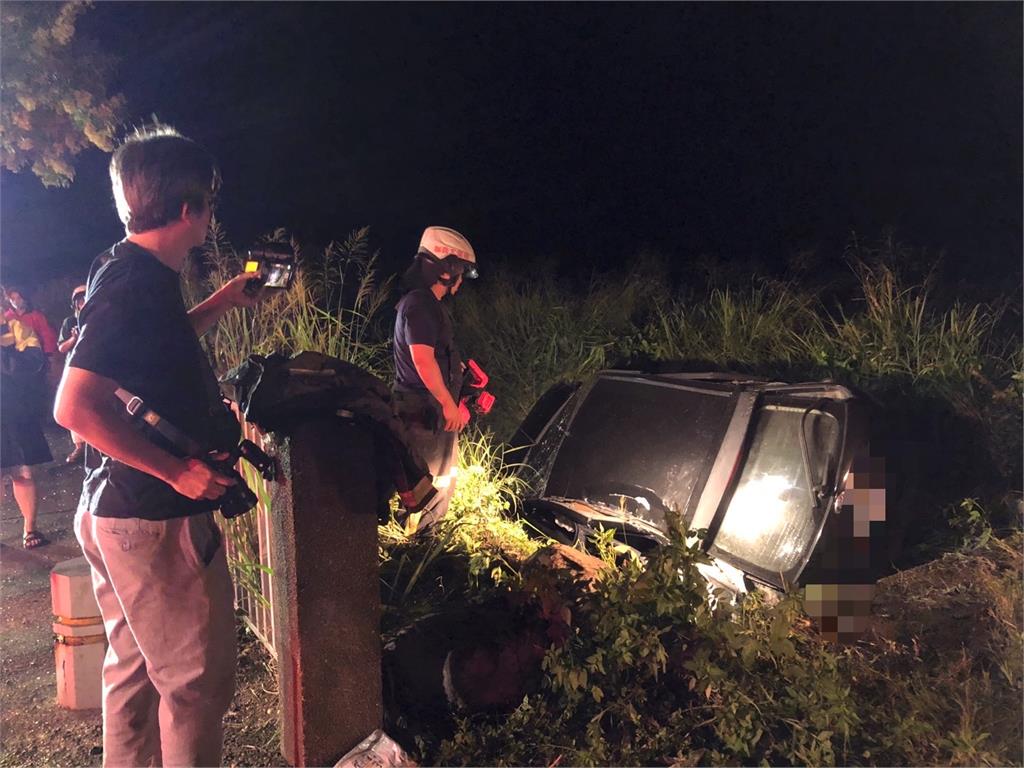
<point x="58" y="485"/>
<point x="35" y="730"/>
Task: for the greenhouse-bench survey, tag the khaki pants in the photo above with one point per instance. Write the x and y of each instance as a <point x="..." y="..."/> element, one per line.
<point x="168" y="678"/>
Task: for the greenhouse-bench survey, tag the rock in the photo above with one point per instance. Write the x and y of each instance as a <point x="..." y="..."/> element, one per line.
<point x="559" y="557"/>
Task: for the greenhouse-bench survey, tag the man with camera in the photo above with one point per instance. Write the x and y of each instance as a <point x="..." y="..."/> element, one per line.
<point x="145" y="518"/>
<point x="428" y="366"/>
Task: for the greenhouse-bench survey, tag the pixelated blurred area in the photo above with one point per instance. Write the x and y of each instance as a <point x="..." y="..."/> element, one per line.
<point x="865" y="493"/>
<point x="851" y="556"/>
<point x="841" y="611"/>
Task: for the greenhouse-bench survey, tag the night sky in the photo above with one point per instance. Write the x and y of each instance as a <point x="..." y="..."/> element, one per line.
<point x="581" y="133"/>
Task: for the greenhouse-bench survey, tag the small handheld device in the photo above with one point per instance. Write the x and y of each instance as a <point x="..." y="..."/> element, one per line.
<point x="275" y="264"/>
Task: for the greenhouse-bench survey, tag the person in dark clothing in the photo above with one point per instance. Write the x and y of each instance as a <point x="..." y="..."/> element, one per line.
<point x="65" y="343"/>
<point x="428" y="367"/>
<point x="22" y="405"/>
<point x="145" y="519"/>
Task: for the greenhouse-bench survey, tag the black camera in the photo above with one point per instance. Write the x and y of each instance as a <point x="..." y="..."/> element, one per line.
<point x="276" y="264"/>
<point x="224" y="432"/>
<point x="239" y="498"/>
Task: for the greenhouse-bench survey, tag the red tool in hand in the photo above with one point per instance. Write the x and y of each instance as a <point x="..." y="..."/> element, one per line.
<point x="474" y="399"/>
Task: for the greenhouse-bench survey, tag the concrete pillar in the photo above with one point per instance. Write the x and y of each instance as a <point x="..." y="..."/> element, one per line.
<point x="79" y="640"/>
<point x="327" y="597"/>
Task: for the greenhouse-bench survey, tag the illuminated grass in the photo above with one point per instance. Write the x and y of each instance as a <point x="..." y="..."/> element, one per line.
<point x="331" y="307"/>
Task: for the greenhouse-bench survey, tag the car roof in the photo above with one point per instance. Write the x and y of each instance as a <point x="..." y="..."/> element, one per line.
<point x="717" y="381"/>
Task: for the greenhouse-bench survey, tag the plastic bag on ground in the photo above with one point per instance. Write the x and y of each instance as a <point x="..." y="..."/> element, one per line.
<point x="378" y="750"/>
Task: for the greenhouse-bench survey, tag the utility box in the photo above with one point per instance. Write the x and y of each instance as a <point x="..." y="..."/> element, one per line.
<point x="79" y="642"/>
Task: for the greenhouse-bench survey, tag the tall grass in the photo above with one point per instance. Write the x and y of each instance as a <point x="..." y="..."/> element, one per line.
<point x="331" y="307"/>
<point x="477" y="543"/>
<point x="531" y="332"/>
<point x="766" y="321"/>
<point x="889" y="330"/>
<point x="897" y="333"/>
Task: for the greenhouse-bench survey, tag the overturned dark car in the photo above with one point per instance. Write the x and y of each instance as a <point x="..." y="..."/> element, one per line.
<point x="761" y="465"/>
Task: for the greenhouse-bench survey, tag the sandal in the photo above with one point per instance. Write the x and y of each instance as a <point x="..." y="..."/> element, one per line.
<point x="34" y="539"/>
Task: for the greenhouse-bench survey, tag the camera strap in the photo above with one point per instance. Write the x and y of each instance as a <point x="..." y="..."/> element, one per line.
<point x="137" y="409"/>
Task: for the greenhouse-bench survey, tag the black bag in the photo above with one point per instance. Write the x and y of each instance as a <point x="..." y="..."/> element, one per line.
<point x="277" y="393"/>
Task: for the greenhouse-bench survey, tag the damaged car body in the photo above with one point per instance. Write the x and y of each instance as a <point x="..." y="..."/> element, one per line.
<point x="760" y="465"/>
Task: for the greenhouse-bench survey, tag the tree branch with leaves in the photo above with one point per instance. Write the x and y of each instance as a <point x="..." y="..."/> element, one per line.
<point x="53" y="91"/>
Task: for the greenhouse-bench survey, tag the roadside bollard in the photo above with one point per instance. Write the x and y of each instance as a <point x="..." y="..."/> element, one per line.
<point x="79" y="642"/>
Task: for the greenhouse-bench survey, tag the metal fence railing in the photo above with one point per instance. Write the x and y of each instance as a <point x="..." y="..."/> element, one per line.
<point x="248" y="544"/>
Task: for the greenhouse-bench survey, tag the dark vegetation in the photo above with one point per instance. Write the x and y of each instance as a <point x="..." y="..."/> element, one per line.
<point x="646" y="672"/>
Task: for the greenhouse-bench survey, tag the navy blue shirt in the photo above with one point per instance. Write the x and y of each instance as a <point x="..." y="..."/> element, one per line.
<point x="135" y="330"/>
<point x="423" y="319"/>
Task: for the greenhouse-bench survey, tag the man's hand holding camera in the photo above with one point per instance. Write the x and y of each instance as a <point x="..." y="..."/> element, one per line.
<point x="197" y="480"/>
<point x="239" y="291"/>
<point x="235" y="293"/>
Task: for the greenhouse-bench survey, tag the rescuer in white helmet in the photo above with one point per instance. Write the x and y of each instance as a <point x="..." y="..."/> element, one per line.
<point x="428" y="367"/>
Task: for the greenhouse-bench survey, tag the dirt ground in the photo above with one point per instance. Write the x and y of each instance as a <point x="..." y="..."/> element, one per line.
<point x="34" y="731"/>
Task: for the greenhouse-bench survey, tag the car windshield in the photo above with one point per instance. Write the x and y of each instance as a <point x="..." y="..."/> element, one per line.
<point x="770" y="521"/>
<point x="636" y="433"/>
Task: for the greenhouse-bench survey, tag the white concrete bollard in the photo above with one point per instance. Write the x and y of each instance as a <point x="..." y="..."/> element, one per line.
<point x="79" y="642"/>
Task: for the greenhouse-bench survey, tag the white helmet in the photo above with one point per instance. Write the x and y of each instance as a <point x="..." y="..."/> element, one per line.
<point x="443" y="243"/>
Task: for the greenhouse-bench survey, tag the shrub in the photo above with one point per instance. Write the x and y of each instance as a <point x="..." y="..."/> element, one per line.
<point x="653" y="676"/>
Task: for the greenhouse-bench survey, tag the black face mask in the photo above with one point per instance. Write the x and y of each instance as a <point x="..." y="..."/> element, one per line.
<point x="452" y="265"/>
<point x="428" y="269"/>
<point x="420" y="274"/>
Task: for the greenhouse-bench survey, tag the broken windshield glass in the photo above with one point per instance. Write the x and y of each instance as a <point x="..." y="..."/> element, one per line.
<point x="657" y="435"/>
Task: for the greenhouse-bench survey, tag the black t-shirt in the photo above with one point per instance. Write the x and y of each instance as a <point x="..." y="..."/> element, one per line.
<point x="423" y="319"/>
<point x="69" y="324"/>
<point x="135" y="330"/>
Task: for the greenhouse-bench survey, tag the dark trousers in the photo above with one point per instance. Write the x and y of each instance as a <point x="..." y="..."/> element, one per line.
<point x="440" y="450"/>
